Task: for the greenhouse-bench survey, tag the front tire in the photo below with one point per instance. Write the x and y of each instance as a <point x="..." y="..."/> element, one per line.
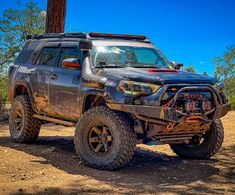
<point x="210" y="145"/>
<point x="24" y="128"/>
<point x="104" y="139"/>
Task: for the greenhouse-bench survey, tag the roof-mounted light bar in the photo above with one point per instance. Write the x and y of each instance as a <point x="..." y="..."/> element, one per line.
<point x="121" y="36"/>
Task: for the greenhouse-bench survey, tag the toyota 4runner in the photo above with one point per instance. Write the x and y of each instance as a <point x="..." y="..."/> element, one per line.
<point x="118" y="90"/>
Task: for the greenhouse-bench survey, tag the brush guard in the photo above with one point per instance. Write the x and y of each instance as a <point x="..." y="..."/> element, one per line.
<point x="165" y="115"/>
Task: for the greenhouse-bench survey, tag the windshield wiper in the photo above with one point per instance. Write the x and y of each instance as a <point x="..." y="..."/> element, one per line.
<point x="111" y="66"/>
<point x="145" y="67"/>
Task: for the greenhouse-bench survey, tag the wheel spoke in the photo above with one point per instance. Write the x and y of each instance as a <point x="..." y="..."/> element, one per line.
<point x="105" y="146"/>
<point x="18" y="127"/>
<point x="98" y="147"/>
<point x="18" y="120"/>
<point x="104" y="130"/>
<point x="18" y="113"/>
<point x="93" y="139"/>
<point x="109" y="138"/>
<point x="97" y="131"/>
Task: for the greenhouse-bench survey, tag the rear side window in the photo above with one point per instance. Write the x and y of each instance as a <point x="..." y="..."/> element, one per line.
<point x="26" y="53"/>
<point x="69" y="53"/>
<point x="48" y="56"/>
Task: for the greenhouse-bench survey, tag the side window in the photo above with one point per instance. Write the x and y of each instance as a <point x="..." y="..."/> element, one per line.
<point x="48" y="56"/>
<point x="25" y="54"/>
<point x="69" y="53"/>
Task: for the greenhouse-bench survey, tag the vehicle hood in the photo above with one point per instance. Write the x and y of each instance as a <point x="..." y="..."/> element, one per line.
<point x="143" y="75"/>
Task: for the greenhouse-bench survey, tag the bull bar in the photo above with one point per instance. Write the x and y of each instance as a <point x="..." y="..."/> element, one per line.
<point x="164" y="115"/>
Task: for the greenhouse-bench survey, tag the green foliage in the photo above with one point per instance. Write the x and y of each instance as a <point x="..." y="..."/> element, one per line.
<point x="15" y="25"/>
<point x="225" y="71"/>
<point x="205" y="74"/>
<point x="3" y="88"/>
<point x="190" y="69"/>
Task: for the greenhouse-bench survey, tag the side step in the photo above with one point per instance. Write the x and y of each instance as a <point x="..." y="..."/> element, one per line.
<point x="54" y="120"/>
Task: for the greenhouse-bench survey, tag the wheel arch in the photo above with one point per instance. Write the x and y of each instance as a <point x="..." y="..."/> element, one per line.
<point x="96" y="98"/>
<point x="23" y="88"/>
<point x="91" y="100"/>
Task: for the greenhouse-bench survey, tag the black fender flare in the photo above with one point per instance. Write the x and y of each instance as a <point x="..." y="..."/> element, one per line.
<point x="28" y="88"/>
<point x="93" y="92"/>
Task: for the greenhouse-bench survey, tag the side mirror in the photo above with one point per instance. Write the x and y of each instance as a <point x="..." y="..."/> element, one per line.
<point x="85" y="45"/>
<point x="71" y="63"/>
<point x="176" y="65"/>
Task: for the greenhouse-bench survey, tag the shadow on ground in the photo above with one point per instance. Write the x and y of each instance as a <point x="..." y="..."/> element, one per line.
<point x="149" y="171"/>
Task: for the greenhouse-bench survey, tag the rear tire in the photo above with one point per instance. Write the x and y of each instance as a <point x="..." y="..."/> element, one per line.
<point x="24" y="128"/>
<point x="211" y="144"/>
<point x="104" y="139"/>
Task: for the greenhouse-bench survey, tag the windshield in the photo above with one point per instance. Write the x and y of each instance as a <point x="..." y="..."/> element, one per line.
<point x="127" y="56"/>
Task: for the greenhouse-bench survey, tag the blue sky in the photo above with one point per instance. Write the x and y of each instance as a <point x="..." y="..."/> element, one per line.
<point x="189" y="31"/>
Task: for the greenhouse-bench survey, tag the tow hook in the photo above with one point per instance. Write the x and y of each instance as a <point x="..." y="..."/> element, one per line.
<point x="170" y="126"/>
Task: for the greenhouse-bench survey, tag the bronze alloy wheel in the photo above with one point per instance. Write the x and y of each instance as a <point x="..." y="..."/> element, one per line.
<point x="104" y="139"/>
<point x="100" y="139"/>
<point x="24" y="128"/>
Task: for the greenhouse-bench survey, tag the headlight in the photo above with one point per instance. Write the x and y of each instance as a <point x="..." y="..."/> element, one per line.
<point x="137" y="88"/>
<point x="219" y="86"/>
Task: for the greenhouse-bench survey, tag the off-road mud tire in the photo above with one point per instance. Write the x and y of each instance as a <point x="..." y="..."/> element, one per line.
<point x="208" y="148"/>
<point x="124" y="138"/>
<point x="31" y="126"/>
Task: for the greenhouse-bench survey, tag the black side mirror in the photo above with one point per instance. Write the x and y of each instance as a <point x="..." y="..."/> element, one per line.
<point x="85" y="45"/>
<point x="176" y="65"/>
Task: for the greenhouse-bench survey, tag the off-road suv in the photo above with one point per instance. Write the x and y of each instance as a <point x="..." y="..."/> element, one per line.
<point x="118" y="90"/>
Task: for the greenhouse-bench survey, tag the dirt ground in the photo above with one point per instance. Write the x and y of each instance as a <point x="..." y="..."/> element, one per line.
<point x="50" y="166"/>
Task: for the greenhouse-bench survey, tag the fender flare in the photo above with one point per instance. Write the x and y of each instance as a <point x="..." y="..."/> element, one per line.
<point x="28" y="88"/>
<point x="93" y="92"/>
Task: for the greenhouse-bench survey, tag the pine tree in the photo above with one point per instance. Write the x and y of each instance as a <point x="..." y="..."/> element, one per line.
<point x="56" y="11"/>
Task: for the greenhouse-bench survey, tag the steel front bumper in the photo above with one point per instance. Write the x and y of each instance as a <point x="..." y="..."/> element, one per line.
<point x="164" y="114"/>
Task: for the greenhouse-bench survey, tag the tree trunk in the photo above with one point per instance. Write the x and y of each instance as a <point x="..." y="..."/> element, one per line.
<point x="56" y="11"/>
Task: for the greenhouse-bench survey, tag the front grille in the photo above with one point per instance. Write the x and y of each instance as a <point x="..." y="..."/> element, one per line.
<point x="189" y="101"/>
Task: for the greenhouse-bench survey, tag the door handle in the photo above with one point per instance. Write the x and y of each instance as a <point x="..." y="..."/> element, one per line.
<point x="53" y="76"/>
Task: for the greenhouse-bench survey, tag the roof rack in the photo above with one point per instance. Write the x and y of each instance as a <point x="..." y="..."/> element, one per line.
<point x="58" y="35"/>
<point x="89" y="35"/>
<point x="120" y="36"/>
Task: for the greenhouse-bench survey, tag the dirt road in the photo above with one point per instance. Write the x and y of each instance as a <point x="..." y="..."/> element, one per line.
<point x="51" y="167"/>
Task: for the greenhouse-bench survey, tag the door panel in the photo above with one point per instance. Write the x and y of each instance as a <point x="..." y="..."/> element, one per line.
<point x="40" y="82"/>
<point x="63" y="87"/>
<point x="40" y="78"/>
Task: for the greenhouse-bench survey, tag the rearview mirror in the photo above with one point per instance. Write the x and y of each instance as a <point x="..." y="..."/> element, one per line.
<point x="176" y="65"/>
<point x="71" y="63"/>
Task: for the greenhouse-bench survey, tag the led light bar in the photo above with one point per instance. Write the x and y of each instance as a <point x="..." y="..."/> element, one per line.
<point x="125" y="36"/>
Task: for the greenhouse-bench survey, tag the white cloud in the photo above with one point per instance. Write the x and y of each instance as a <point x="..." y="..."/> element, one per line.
<point x="202" y="62"/>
